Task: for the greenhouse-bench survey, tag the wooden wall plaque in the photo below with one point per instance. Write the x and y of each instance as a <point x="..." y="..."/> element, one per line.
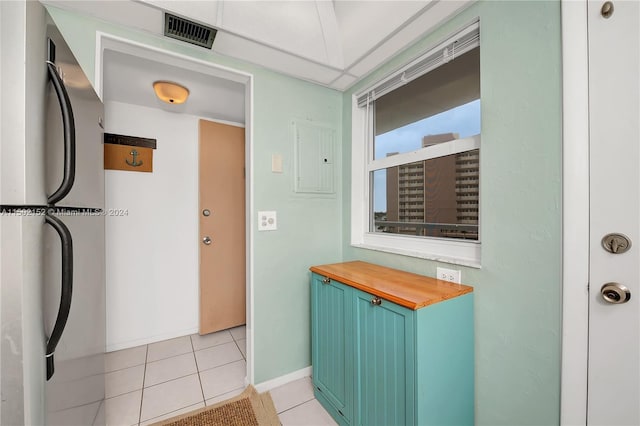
<point x="129" y="158"/>
<point x="129" y="153"/>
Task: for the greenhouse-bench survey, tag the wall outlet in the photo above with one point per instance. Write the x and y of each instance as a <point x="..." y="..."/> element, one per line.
<point x="267" y="221"/>
<point x="451" y="275"/>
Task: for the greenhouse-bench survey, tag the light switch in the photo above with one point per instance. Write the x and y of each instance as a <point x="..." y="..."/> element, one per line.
<point x="276" y="163"/>
<point x="267" y="221"/>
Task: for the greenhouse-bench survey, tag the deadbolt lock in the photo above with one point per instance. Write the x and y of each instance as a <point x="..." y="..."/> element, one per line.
<point x="616" y="243"/>
<point x="615" y="293"/>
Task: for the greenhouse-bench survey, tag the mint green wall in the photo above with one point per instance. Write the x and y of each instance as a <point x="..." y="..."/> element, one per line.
<point x="518" y="290"/>
<point x="309" y="230"/>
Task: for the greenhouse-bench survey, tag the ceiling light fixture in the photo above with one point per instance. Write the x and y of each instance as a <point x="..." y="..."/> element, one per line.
<point x="171" y="93"/>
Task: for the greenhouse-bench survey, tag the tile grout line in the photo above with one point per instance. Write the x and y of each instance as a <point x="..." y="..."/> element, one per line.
<point x="240" y="350"/>
<point x="193" y="352"/>
<point x="120" y="369"/>
<point x="234" y="337"/>
<point x="177" y="409"/>
<point x="153" y="419"/>
<point x="170" y="380"/>
<point x="144" y="374"/>
<point x="213" y="346"/>
<point x="166" y="359"/>
<point x="236" y="341"/>
<point x="162" y="359"/>
<point x="295" y="406"/>
<point x="128" y="391"/>
<point x="221" y="365"/>
<point x="98" y="412"/>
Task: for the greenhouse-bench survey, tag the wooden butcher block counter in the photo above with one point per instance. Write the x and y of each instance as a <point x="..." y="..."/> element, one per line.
<point x="404" y="288"/>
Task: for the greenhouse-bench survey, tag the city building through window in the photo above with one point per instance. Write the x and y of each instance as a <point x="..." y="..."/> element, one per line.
<point x="422" y="154"/>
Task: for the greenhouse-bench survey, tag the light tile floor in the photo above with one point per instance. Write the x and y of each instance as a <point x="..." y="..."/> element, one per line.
<point x="153" y="382"/>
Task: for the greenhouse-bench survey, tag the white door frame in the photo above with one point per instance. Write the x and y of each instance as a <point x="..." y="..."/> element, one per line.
<point x="575" y="212"/>
<point x="110" y="41"/>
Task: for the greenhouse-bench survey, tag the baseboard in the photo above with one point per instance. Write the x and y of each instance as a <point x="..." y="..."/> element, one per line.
<point x="283" y="380"/>
<point x="151" y="339"/>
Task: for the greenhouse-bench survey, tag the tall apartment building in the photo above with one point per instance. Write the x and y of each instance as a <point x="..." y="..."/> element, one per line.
<point x="438" y="193"/>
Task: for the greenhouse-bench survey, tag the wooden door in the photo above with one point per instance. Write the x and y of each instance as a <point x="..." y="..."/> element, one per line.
<point x="614" y="121"/>
<point x="222" y="227"/>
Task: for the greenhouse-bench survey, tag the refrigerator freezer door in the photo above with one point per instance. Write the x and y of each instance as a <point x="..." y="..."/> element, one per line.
<point x="79" y="357"/>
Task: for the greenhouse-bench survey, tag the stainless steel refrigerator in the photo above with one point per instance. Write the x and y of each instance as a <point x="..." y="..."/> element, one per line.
<point x="72" y="255"/>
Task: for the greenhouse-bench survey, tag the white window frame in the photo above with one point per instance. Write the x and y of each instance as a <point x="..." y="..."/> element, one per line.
<point x="460" y="252"/>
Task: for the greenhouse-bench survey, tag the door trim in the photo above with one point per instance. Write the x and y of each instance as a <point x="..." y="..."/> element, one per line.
<point x="109" y="41"/>
<point x="575" y="212"/>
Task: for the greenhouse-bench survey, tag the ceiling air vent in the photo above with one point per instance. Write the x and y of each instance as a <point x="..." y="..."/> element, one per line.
<point x="189" y="31"/>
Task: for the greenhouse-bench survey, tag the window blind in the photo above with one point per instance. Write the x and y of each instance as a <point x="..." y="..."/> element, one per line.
<point x="460" y="43"/>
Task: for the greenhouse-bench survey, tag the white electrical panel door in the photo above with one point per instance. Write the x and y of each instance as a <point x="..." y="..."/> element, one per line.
<point x="314" y="158"/>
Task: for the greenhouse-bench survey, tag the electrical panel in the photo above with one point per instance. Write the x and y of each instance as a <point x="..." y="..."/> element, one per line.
<point x="314" y="169"/>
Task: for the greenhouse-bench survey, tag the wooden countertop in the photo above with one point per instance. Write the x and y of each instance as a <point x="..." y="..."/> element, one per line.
<point x="412" y="291"/>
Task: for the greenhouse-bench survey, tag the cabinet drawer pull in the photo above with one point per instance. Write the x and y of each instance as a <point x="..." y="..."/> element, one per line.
<point x="326" y="280"/>
<point x="376" y="301"/>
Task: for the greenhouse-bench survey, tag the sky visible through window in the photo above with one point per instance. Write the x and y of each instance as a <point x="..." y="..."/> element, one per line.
<point x="464" y="120"/>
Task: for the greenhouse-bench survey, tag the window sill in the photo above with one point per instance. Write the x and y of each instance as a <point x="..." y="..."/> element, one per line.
<point x="466" y="253"/>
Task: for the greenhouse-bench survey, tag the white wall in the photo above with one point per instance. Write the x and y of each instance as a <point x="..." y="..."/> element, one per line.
<point x="152" y="252"/>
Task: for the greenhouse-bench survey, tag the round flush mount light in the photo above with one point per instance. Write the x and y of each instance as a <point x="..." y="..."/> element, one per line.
<point x="171" y="93"/>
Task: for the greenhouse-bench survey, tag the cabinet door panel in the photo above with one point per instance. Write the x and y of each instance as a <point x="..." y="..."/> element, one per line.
<point x="331" y="353"/>
<point x="384" y="338"/>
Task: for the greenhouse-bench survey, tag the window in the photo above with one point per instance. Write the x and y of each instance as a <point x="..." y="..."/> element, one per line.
<point x="416" y="156"/>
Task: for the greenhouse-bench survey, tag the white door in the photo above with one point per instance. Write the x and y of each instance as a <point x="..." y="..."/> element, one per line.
<point x="614" y="120"/>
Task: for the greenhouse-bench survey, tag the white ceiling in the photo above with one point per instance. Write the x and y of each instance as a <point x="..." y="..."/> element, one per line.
<point x="331" y="43"/>
<point x="129" y="79"/>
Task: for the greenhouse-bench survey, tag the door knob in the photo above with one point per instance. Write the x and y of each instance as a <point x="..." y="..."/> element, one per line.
<point x="376" y="301"/>
<point x="206" y="212"/>
<point x="206" y="240"/>
<point x="615" y="293"/>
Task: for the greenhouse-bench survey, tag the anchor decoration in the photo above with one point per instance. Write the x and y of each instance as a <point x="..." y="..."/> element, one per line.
<point x="135" y="162"/>
<point x="128" y="153"/>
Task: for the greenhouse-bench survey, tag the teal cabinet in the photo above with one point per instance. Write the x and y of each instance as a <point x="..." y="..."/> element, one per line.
<point x="376" y="362"/>
<point x="384" y="341"/>
<point x="332" y="351"/>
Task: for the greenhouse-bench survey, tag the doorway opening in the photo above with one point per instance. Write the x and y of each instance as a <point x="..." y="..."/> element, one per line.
<point x="157" y="227"/>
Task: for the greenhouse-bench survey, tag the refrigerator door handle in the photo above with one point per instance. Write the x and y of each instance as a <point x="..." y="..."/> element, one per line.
<point x="67" y="287"/>
<point x="69" y="127"/>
